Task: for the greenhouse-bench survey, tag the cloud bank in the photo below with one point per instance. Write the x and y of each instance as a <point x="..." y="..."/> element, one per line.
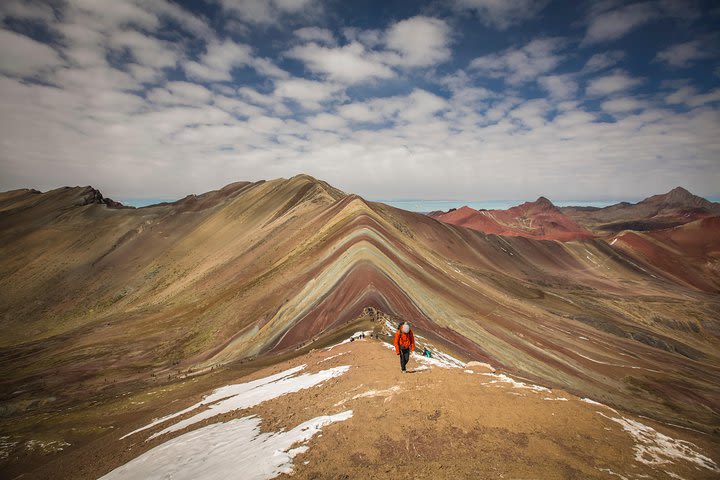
<point x="149" y="99"/>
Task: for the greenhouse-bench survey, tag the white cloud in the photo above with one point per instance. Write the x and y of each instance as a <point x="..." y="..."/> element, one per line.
<point x="118" y="13"/>
<point x="517" y="66"/>
<point x="307" y="93"/>
<point x="623" y="105"/>
<point x="315" y="34"/>
<point x="712" y="96"/>
<point x="180" y="93"/>
<point x="90" y="31"/>
<point x="100" y="125"/>
<point x="23" y="56"/>
<point x="269" y="11"/>
<point x="690" y="97"/>
<point x="218" y="61"/>
<point x="617" y="81"/>
<point x="268" y="68"/>
<point x="220" y="58"/>
<point x="26" y="10"/>
<point x="253" y="96"/>
<point x="146" y="50"/>
<point x="292" y="5"/>
<point x="417" y="107"/>
<point x="682" y="55"/>
<point x="144" y="73"/>
<point x="348" y="64"/>
<point x="559" y="86"/>
<point x="420" y="105"/>
<point x="327" y="121"/>
<point x="503" y="13"/>
<point x="363" y="112"/>
<point x="370" y="38"/>
<point x="94" y="78"/>
<point x="84" y="46"/>
<point x="421" y="41"/>
<point x="531" y="114"/>
<point x="615" y="23"/>
<point x="414" y="42"/>
<point x="188" y="21"/>
<point x="601" y="61"/>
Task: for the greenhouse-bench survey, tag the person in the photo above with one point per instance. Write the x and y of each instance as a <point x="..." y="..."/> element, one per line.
<point x="404" y="343"/>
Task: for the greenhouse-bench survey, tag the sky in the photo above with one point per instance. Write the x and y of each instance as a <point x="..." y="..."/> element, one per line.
<point x="444" y="99"/>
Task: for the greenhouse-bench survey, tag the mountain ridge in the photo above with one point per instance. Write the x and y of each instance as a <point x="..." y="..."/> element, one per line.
<point x="274" y="266"/>
<point x="676" y="207"/>
<point x="540" y="220"/>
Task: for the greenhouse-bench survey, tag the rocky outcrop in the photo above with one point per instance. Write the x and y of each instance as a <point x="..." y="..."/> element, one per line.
<point x="90" y="195"/>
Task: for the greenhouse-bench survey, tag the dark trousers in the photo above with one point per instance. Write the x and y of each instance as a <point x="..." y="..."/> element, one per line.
<point x="404" y="357"/>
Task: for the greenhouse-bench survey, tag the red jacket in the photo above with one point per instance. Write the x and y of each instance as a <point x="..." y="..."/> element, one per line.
<point x="404" y="340"/>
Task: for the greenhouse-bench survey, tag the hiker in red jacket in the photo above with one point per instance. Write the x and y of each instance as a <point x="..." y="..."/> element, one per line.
<point x="404" y="342"/>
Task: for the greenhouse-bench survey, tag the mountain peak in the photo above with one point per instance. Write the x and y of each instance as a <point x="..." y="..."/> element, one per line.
<point x="679" y="197"/>
<point x="544" y="202"/>
<point x="679" y="193"/>
<point x="88" y="195"/>
<point x="305" y="178"/>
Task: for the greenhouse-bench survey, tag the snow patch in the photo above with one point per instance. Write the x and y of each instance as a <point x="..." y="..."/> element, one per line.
<point x="501" y="377"/>
<point x="655" y="448"/>
<point x="484" y="365"/>
<point x="218" y="394"/>
<point x="372" y="393"/>
<point x="390" y="327"/>
<point x="378" y="393"/>
<point x="674" y="475"/>
<point x="333" y="356"/>
<point x="6" y="445"/>
<point x="44" y="447"/>
<point x="561" y="399"/>
<point x="439" y="359"/>
<point x="353" y="337"/>
<point x="246" y="395"/>
<point x="610" y="472"/>
<point x="593" y="402"/>
<point x="226" y="450"/>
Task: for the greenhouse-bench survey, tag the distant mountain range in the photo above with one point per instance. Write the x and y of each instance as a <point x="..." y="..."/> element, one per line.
<point x="543" y="220"/>
<point x="677" y="207"/>
<point x="539" y="219"/>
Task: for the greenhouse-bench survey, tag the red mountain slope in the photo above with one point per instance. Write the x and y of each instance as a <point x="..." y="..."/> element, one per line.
<point x="539" y="219"/>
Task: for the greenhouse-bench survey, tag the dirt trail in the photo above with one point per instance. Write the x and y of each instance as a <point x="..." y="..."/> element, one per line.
<point x="448" y="423"/>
